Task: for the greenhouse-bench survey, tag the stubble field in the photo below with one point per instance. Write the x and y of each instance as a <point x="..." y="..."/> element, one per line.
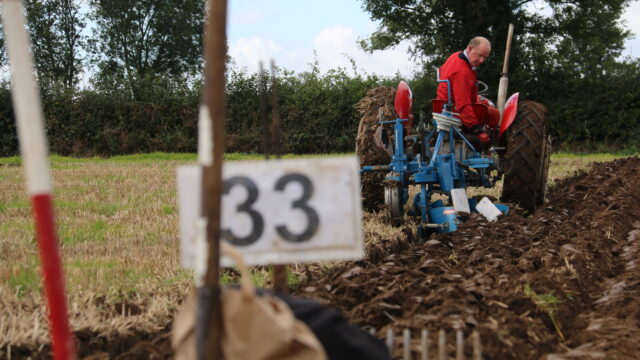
<point x="117" y="221"/>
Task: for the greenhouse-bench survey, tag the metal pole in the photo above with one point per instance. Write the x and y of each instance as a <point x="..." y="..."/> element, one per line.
<point x="210" y="325"/>
<point x="504" y="80"/>
<point x="34" y="149"/>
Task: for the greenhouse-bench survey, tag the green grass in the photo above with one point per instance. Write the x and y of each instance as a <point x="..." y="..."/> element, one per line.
<point x="61" y="162"/>
<point x="547" y="303"/>
<point x="24" y="278"/>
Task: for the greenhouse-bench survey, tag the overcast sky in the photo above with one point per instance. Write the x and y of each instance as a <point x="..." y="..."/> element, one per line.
<point x="289" y="31"/>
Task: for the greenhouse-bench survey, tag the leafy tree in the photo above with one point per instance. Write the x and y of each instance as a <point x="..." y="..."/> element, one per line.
<point x="3" y="58"/>
<point x="136" y="39"/>
<point x="55" y="27"/>
<point x="569" y="59"/>
<point x="579" y="34"/>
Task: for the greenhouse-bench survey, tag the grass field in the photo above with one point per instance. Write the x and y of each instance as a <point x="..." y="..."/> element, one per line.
<point x="118" y="226"/>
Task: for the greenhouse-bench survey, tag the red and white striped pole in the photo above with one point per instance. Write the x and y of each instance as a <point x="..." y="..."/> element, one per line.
<point x="34" y="149"/>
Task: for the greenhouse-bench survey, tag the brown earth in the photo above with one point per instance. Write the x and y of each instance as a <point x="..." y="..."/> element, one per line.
<point x="562" y="283"/>
<point x="90" y="346"/>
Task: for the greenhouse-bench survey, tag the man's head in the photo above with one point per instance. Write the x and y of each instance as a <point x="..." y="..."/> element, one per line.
<point x="478" y="50"/>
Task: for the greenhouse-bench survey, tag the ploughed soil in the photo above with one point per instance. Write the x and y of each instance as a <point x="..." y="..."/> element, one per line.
<point x="562" y="283"/>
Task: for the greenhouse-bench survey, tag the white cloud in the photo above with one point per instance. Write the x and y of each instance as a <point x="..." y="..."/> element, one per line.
<point x="631" y="20"/>
<point x="336" y="44"/>
<point x="333" y="43"/>
<point x="249" y="52"/>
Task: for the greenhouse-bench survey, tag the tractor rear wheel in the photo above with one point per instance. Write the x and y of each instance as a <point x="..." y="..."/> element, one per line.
<point x="526" y="165"/>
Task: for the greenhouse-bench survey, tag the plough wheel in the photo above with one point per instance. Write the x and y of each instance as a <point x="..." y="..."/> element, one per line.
<point x="527" y="158"/>
<point x="393" y="202"/>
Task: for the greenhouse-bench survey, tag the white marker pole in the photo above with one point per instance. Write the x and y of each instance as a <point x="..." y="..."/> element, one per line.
<point x="34" y="149"/>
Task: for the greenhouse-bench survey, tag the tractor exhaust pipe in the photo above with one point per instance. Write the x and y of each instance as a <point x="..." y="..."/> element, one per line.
<point x="504" y="80"/>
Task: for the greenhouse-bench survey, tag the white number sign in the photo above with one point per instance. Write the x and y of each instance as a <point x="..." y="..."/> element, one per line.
<point x="278" y="211"/>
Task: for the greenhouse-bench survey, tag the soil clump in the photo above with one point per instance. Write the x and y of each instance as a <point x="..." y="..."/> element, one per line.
<point x="559" y="284"/>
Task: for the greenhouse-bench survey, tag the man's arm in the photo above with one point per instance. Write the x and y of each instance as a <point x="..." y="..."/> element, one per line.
<point x="462" y="93"/>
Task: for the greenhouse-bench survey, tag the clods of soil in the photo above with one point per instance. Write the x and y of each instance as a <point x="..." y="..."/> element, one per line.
<point x="562" y="283"/>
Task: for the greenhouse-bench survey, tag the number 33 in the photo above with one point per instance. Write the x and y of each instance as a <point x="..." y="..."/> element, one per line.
<point x="257" y="220"/>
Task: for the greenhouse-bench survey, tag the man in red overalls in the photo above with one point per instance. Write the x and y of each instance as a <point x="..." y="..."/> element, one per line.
<point x="459" y="69"/>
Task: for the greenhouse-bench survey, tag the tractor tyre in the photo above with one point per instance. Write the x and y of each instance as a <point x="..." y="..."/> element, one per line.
<point x="376" y="106"/>
<point x="526" y="165"/>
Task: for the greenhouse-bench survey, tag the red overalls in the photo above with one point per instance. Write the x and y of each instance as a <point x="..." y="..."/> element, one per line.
<point x="464" y="92"/>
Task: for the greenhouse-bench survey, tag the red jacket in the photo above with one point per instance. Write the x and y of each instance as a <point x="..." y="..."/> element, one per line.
<point x="463" y="87"/>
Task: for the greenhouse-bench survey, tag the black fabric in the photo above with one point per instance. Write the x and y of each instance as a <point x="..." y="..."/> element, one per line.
<point x="476" y="129"/>
<point x="340" y="339"/>
<point x="472" y="135"/>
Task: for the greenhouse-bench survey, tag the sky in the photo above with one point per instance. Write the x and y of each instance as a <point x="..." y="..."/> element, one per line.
<point x="289" y="31"/>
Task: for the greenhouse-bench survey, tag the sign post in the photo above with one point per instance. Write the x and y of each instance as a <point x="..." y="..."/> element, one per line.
<point x="211" y="150"/>
<point x="34" y="150"/>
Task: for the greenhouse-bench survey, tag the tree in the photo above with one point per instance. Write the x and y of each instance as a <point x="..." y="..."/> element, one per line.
<point x="3" y="59"/>
<point x="579" y="34"/>
<point x="55" y="27"/>
<point x="138" y="39"/>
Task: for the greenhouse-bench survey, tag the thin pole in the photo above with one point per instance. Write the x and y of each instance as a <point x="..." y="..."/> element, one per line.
<point x="504" y="79"/>
<point x="267" y="149"/>
<point x="424" y="344"/>
<point x="209" y="332"/>
<point x="280" y="271"/>
<point x="276" y="131"/>
<point x="34" y="149"/>
<point x="406" y="339"/>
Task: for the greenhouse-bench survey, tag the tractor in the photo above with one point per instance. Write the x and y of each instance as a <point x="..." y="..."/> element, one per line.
<point x="441" y="159"/>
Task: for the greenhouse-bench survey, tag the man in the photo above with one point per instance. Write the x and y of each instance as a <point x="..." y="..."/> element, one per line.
<point x="459" y="69"/>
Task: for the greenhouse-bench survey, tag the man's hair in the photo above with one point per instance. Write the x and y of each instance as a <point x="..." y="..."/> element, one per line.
<point x="476" y="41"/>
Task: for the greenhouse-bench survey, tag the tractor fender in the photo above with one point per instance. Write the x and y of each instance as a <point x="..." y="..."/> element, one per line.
<point x="509" y="113"/>
<point x="403" y="101"/>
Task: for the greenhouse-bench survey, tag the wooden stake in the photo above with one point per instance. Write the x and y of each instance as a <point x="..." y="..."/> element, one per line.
<point x="459" y="345"/>
<point x="424" y="344"/>
<point x="442" y="346"/>
<point x="276" y="131"/>
<point x="267" y="149"/>
<point x="477" y="347"/>
<point x="406" y="339"/>
<point x="390" y="339"/>
<point x="210" y="325"/>
<point x="280" y="272"/>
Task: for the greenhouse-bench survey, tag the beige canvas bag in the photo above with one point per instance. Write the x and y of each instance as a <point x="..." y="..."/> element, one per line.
<point x="255" y="327"/>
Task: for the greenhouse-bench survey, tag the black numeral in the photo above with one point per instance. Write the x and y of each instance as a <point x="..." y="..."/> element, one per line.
<point x="313" y="221"/>
<point x="252" y="196"/>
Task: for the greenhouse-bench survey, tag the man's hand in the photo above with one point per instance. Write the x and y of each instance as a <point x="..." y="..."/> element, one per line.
<point x="484" y="137"/>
